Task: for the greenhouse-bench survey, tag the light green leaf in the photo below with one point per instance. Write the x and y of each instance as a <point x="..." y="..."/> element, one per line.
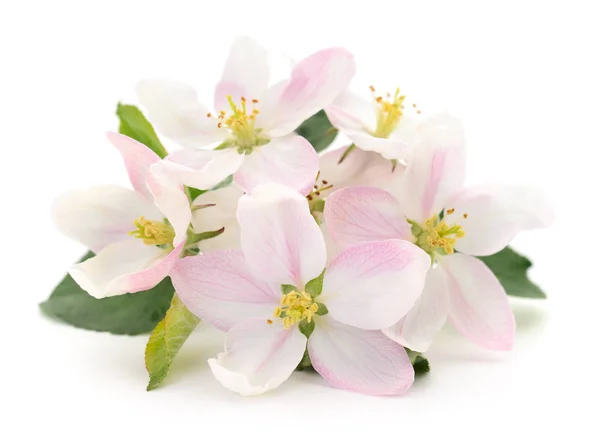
<point x="134" y="124"/>
<point x="285" y="289"/>
<point x="315" y="286"/>
<point x="511" y="270"/>
<point x="129" y="314"/>
<point x="318" y="131"/>
<point x="166" y="340"/>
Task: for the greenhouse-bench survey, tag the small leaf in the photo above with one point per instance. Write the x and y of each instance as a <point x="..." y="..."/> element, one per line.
<point x="511" y="270"/>
<point x="307" y="328"/>
<point x="318" y="131"/>
<point x="420" y="363"/>
<point x="285" y="289"/>
<point x="199" y="237"/>
<point x="134" y="124"/>
<point x="129" y="314"/>
<point x="315" y="286"/>
<point x="166" y="340"/>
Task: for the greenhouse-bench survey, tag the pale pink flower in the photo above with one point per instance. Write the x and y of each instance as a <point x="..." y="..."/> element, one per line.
<point x="477" y="221"/>
<point x="364" y="289"/>
<point x="253" y="124"/>
<point x="386" y="124"/>
<point x="135" y="246"/>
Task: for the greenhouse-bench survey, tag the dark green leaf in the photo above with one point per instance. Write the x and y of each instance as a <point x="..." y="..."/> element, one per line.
<point x="167" y="339"/>
<point x="511" y="270"/>
<point x="315" y="286"/>
<point x="318" y="131"/>
<point x="134" y="124"/>
<point x="129" y="314"/>
<point x="420" y="363"/>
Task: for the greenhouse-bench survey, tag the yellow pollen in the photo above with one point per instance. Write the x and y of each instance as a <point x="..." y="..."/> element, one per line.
<point x="240" y="119"/>
<point x="437" y="235"/>
<point x="153" y="232"/>
<point x="389" y="112"/>
<point x="295" y="307"/>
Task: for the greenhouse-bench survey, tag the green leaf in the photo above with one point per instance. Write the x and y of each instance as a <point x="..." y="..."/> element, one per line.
<point x="318" y="131"/>
<point x="511" y="270"/>
<point x="420" y="363"/>
<point x="129" y="314"/>
<point x="306" y="328"/>
<point x="285" y="289"/>
<point x="166" y="340"/>
<point x="315" y="286"/>
<point x="134" y="124"/>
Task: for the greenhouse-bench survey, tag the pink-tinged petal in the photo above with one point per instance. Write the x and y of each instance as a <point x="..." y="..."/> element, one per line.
<point x="137" y="157"/>
<point x="218" y="288"/>
<point x="437" y="168"/>
<point x="247" y="67"/>
<point x="174" y="110"/>
<point x="315" y="82"/>
<point x="258" y="356"/>
<point x="422" y="323"/>
<point x="388" y="148"/>
<point x="357" y="360"/>
<point x="280" y="239"/>
<point x="219" y="211"/>
<point x="99" y="216"/>
<point x="123" y="267"/>
<point x="349" y="111"/>
<point x="359" y="168"/>
<point x="290" y="161"/>
<point x="494" y="216"/>
<point x="479" y="306"/>
<point x="363" y="214"/>
<point x="374" y="284"/>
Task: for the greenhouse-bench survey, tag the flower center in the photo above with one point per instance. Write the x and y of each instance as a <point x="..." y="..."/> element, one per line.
<point x="315" y="199"/>
<point x="295" y="307"/>
<point x="389" y="112"/>
<point x="436" y="236"/>
<point x="240" y="120"/>
<point x="153" y="232"/>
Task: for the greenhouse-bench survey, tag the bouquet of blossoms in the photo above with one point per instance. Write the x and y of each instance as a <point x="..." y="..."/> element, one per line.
<point x="346" y="261"/>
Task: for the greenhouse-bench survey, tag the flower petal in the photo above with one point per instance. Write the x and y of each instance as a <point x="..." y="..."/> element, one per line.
<point x="422" y="323"/>
<point x="123" y="267"/>
<point x="374" y="284"/>
<point x="280" y="239"/>
<point x="101" y="215"/>
<point x="219" y="212"/>
<point x="218" y="288"/>
<point x="479" y="306"/>
<point x="495" y="215"/>
<point x="289" y="161"/>
<point x="437" y="168"/>
<point x="357" y="360"/>
<point x="363" y="214"/>
<point x="315" y="82"/>
<point x="388" y="148"/>
<point x="173" y="108"/>
<point x="247" y="67"/>
<point x="137" y="157"/>
<point x="258" y="356"/>
<point x="350" y="111"/>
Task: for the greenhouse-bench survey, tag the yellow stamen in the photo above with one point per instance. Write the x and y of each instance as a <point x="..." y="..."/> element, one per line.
<point x="436" y="235"/>
<point x="153" y="232"/>
<point x="389" y="112"/>
<point x="295" y="307"/>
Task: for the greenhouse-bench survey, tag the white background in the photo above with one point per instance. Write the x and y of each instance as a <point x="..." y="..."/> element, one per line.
<point x="523" y="76"/>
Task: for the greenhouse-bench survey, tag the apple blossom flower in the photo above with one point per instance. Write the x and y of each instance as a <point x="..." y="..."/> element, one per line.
<point x="386" y="125"/>
<point x="136" y="240"/>
<point x="275" y="291"/>
<point x="253" y="125"/>
<point x="433" y="210"/>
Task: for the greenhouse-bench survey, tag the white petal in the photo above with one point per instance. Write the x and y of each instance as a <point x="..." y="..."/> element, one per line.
<point x="374" y="284"/>
<point x="479" y="306"/>
<point x="290" y="161"/>
<point x="218" y="288"/>
<point x="258" y="356"/>
<point x="388" y="148"/>
<point x="357" y="360"/>
<point x="495" y="215"/>
<point x="174" y="110"/>
<point x="349" y="111"/>
<point x="437" y="168"/>
<point x="420" y="326"/>
<point x="280" y="239"/>
<point x="122" y="267"/>
<point x="101" y="215"/>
